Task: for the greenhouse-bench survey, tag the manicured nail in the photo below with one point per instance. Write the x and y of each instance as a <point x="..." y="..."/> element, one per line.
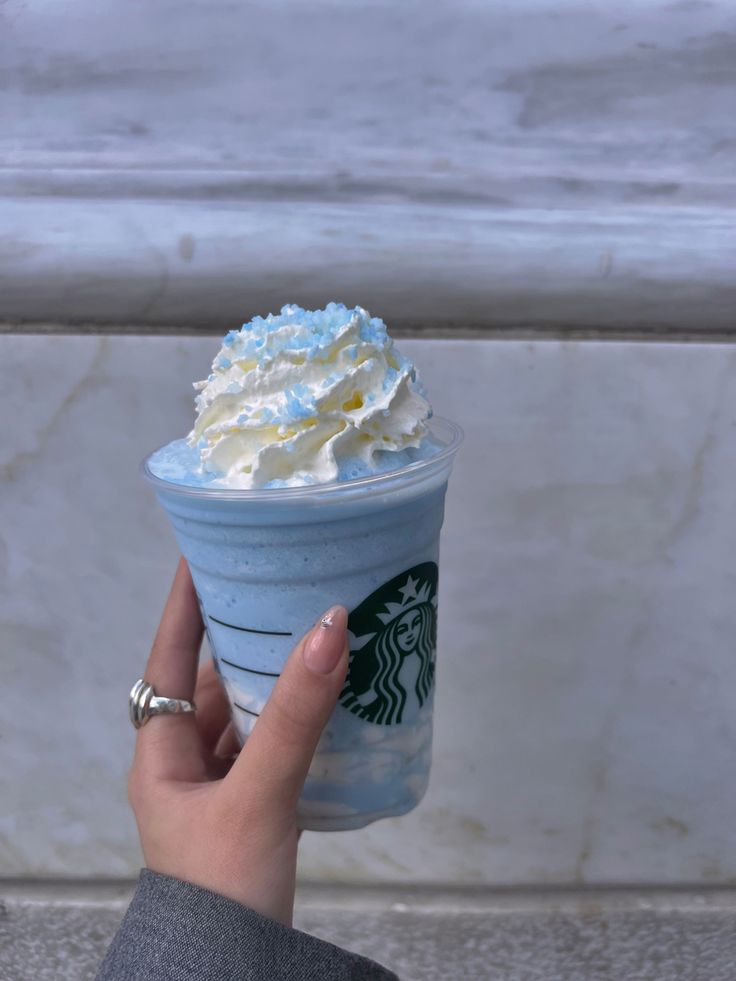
<point x="325" y="644"/>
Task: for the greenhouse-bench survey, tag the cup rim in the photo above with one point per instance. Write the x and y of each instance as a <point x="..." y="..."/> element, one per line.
<point x="443" y="429"/>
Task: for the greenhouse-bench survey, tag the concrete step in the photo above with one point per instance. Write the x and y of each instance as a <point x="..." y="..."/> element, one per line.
<point x="60" y="930"/>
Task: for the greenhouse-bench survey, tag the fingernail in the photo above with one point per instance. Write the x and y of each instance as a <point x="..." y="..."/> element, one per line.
<point x="324" y="646"/>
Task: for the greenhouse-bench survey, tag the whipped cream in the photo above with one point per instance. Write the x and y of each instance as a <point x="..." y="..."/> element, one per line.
<point x="293" y="396"/>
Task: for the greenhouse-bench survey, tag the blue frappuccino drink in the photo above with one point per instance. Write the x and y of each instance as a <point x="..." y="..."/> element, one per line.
<point x="315" y="474"/>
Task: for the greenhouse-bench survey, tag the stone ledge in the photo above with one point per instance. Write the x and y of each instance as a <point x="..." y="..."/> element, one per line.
<point x="184" y="264"/>
<point x="60" y="930"/>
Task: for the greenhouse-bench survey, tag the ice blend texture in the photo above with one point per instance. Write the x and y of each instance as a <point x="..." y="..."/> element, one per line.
<point x="302" y="397"/>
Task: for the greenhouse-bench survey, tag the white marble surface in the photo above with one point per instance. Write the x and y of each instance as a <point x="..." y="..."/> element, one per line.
<point x="465" y="269"/>
<point x="459" y="163"/>
<point x="585" y="725"/>
<point x="365" y="91"/>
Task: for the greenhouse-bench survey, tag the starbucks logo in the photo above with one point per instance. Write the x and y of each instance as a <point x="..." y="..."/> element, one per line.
<point x="393" y="635"/>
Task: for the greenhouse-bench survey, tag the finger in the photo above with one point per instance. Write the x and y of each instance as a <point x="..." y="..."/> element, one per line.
<point x="213" y="708"/>
<point x="168" y="746"/>
<point x="225" y="753"/>
<point x="276" y="757"/>
<point x="228" y="745"/>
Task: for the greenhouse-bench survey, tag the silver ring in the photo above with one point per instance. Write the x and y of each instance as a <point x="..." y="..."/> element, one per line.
<point x="144" y="702"/>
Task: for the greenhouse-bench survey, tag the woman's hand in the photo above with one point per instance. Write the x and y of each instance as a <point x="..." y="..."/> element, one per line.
<point x="230" y="826"/>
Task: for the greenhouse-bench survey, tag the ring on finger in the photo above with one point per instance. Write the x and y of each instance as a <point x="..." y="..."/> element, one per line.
<point x="143" y="703"/>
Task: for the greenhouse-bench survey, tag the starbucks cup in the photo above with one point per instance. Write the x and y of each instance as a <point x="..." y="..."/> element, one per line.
<point x="267" y="563"/>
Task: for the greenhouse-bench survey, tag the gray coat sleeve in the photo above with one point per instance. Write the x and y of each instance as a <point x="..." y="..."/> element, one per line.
<point x="179" y="932"/>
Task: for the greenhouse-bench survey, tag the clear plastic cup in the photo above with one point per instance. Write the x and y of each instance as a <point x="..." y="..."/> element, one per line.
<point x="267" y="563"/>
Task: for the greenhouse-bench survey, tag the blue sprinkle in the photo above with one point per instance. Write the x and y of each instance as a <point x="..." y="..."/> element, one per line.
<point x="389" y="378"/>
<point x="299" y="403"/>
<point x="321" y="328"/>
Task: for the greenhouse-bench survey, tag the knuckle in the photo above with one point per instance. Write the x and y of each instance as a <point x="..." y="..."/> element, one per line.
<point x="288" y="715"/>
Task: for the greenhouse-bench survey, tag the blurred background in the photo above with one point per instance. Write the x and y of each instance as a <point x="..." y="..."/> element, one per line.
<point x="538" y="198"/>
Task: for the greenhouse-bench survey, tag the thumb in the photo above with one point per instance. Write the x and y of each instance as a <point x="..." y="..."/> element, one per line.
<point x="273" y="764"/>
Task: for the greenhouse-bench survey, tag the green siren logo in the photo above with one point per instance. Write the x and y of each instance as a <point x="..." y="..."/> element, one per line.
<point x="393" y="635"/>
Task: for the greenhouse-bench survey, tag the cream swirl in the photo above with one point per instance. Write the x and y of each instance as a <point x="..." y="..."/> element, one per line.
<point x="293" y="397"/>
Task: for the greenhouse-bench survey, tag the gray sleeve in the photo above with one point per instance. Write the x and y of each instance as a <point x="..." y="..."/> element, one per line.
<point x="179" y="932"/>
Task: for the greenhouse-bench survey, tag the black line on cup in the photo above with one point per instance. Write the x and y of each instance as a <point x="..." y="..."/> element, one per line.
<point x="252" y="630"/>
<point x="244" y="709"/>
<point x="266" y="674"/>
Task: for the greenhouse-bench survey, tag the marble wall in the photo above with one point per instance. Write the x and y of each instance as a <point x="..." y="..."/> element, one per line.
<point x="585" y="728"/>
<point x="454" y="164"/>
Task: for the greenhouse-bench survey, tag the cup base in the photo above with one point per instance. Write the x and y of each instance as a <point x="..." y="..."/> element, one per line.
<point x="351" y="822"/>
